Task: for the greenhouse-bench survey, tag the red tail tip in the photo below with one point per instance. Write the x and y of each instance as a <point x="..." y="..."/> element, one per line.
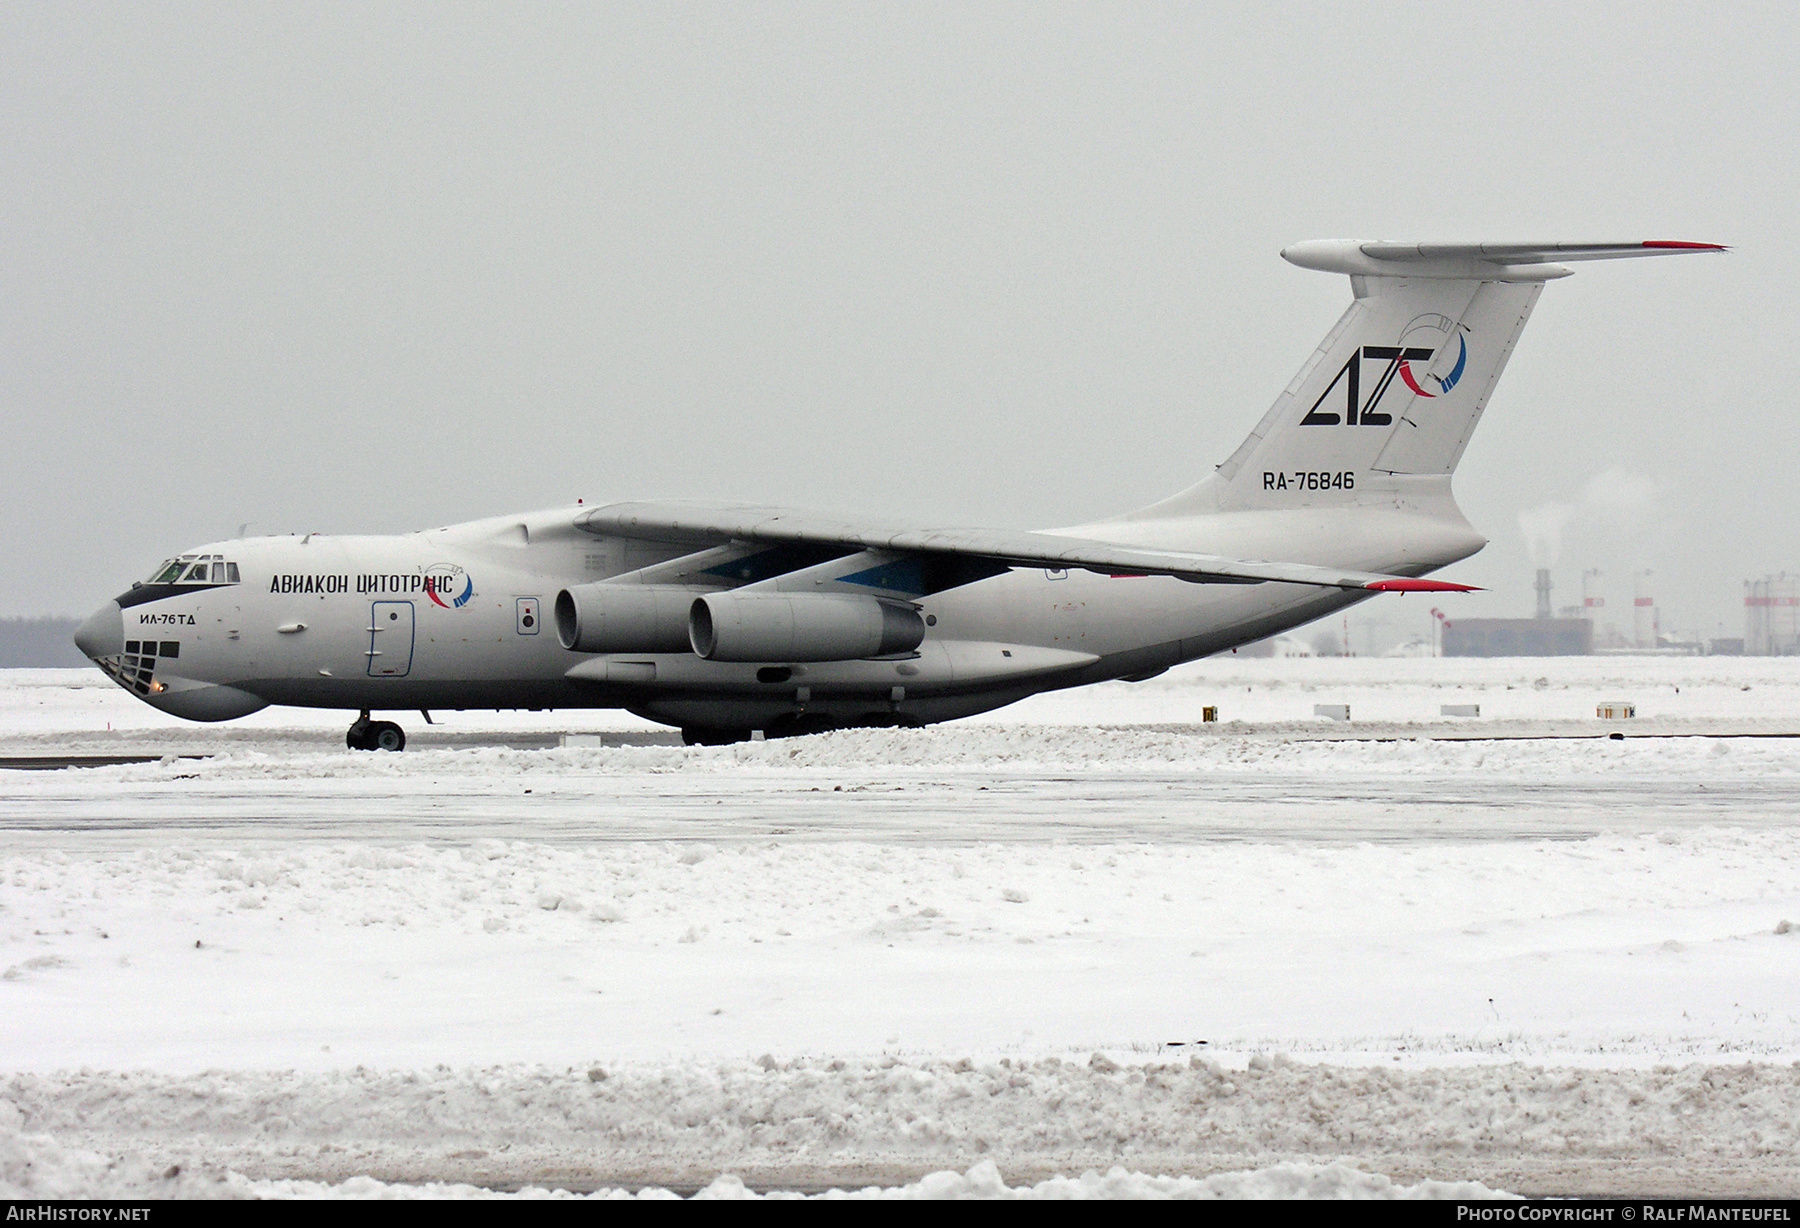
<point x="1687" y="247"/>
<point x="1419" y="586"/>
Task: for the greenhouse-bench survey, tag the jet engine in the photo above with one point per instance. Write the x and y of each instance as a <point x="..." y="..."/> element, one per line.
<point x="603" y="617"/>
<point x="739" y="626"/>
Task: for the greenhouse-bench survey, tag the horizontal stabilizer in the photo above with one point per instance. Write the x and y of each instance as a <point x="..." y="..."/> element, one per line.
<point x="1472" y="261"/>
<point x="1531" y="253"/>
<point x="1404" y="585"/>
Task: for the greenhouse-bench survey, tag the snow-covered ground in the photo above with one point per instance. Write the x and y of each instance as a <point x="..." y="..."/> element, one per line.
<point x="1082" y="932"/>
<point x="82" y="709"/>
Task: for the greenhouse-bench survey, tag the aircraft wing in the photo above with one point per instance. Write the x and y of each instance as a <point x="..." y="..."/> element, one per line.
<point x="719" y="524"/>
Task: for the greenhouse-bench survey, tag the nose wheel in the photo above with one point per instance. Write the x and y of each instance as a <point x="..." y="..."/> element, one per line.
<point x="366" y="734"/>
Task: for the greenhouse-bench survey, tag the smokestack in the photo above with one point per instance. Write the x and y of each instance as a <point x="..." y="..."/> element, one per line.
<point x="1644" y="609"/>
<point x="1591" y="600"/>
<point x="1543" y="592"/>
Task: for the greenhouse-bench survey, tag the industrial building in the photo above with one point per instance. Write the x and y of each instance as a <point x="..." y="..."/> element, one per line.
<point x="1542" y="636"/>
<point x="1518" y="637"/>
<point x="1772" y="616"/>
<point x="1771" y="625"/>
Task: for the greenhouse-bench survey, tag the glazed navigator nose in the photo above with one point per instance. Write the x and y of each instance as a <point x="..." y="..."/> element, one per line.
<point x="103" y="634"/>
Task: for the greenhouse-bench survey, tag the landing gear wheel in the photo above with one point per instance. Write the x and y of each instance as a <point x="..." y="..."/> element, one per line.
<point x="696" y="735"/>
<point x="366" y="734"/>
<point x="800" y="725"/>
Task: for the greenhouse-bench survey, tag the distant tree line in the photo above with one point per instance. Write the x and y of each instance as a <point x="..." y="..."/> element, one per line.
<point x="39" y="643"/>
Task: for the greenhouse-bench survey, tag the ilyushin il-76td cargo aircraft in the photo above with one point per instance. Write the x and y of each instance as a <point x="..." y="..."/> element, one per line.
<point x="728" y="619"/>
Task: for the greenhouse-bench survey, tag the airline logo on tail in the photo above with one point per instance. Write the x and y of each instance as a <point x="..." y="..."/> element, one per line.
<point x="1420" y="342"/>
<point x="1433" y="330"/>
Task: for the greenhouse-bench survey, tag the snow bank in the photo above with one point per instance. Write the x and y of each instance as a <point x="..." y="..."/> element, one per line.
<point x="817" y="1122"/>
<point x="36" y="1166"/>
<point x="926" y="1112"/>
<point x="1280" y="1181"/>
<point x="983" y="1181"/>
<point x="899" y="753"/>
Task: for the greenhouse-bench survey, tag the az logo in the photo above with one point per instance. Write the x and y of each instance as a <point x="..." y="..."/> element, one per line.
<point x="1399" y="359"/>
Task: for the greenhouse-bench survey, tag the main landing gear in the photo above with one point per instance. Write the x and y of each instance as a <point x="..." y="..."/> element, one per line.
<point x="793" y="725"/>
<point x="366" y="734"/>
<point x="696" y="735"/>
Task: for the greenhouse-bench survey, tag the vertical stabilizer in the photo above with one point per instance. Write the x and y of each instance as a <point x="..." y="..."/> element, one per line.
<point x="1396" y="389"/>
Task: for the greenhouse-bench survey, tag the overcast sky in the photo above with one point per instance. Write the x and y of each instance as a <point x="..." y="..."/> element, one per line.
<point x="377" y="268"/>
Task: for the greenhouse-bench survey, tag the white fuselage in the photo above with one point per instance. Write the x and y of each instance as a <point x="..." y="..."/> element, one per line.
<point x="459" y="618"/>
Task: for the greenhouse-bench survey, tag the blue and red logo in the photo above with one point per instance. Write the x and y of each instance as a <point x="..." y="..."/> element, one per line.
<point x="1429" y="332"/>
<point x="449" y="586"/>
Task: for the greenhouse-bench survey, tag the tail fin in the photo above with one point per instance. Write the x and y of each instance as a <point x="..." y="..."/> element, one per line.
<point x="1395" y="390"/>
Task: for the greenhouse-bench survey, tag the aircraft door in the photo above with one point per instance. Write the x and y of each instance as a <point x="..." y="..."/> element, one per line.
<point x="390" y="639"/>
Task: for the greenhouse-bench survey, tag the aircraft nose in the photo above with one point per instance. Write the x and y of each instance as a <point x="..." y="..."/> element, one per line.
<point x="103" y="634"/>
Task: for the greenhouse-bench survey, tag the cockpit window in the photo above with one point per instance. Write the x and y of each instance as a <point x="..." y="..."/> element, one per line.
<point x="196" y="569"/>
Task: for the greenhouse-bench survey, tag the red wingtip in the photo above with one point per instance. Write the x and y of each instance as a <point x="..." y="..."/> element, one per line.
<point x="1677" y="245"/>
<point x="1419" y="586"/>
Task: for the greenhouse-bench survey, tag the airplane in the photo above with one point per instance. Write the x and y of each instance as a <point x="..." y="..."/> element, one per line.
<point x="730" y="619"/>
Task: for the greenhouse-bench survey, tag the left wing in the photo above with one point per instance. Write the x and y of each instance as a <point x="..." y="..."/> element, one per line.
<point x="717" y="524"/>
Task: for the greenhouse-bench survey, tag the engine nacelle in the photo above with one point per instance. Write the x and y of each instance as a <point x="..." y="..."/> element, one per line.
<point x="603" y="617"/>
<point x="738" y="626"/>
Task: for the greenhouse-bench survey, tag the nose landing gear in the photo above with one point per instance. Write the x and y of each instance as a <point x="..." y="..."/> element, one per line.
<point x="366" y="734"/>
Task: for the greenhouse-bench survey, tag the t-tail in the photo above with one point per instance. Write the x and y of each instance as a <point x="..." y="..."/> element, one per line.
<point x="1388" y="401"/>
